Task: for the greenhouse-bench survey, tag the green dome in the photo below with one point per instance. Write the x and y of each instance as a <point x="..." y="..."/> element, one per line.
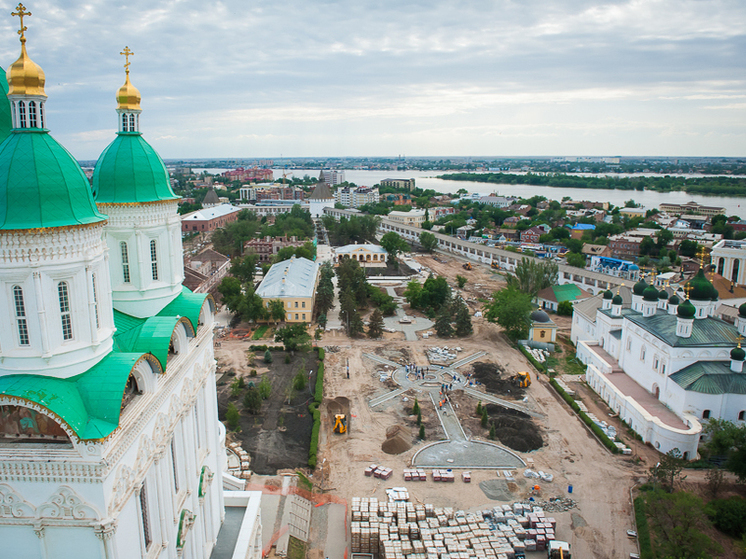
<point x="608" y="294"/>
<point x="6" y="120"/>
<point x="41" y="184"/>
<point x="674" y="300"/>
<point x="130" y="170"/>
<point x="737" y="354"/>
<point x="686" y="309"/>
<point x="742" y="310"/>
<point x="702" y="289"/>
<point x="663" y="295"/>
<point x="617" y="300"/>
<point x="640" y="287"/>
<point x="650" y="294"/>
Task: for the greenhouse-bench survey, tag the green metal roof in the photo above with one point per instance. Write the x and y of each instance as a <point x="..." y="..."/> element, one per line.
<point x="710" y="377"/>
<point x="152" y="335"/>
<point x="90" y="403"/>
<point x="567" y="292"/>
<point x="41" y="184"/>
<point x="187" y="304"/>
<point x="6" y="120"/>
<point x="130" y="171"/>
<point x="706" y="332"/>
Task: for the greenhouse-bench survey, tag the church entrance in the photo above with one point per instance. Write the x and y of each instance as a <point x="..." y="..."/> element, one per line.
<point x="657" y="391"/>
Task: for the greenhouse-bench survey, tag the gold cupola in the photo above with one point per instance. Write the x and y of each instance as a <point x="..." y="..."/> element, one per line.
<point x="128" y="96"/>
<point x="25" y="77"/>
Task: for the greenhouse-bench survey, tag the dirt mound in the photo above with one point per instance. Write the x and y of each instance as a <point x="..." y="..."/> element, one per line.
<point x="496" y="380"/>
<point x="398" y="440"/>
<point x="338" y="405"/>
<point x="515" y="429"/>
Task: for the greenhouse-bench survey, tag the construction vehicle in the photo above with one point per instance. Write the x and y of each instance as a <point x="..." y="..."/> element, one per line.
<point x="467" y="266"/>
<point x="558" y="550"/>
<point x="340" y="423"/>
<point x="495" y="266"/>
<point x="522" y="379"/>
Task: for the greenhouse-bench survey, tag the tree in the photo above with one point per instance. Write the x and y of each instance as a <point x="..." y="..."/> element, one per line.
<point x="511" y="309"/>
<point x="576" y="259"/>
<point x="277" y="310"/>
<point x="244" y="268"/>
<point x="375" y="324"/>
<point x="663" y="237"/>
<point x="321" y="320"/>
<point x="357" y="327"/>
<point x="725" y="438"/>
<point x="252" y="401"/>
<point x="564" y="308"/>
<point x="677" y="520"/>
<point x="233" y="417"/>
<point x="325" y="289"/>
<point x="463" y="320"/>
<point x="492" y="432"/>
<point x="668" y="471"/>
<point x="428" y="241"/>
<point x="648" y="247"/>
<point x="461" y="281"/>
<point x="299" y="381"/>
<point x="413" y="293"/>
<point x="531" y="276"/>
<point x="443" y="323"/>
<point x="421" y="434"/>
<point x="416" y="407"/>
<point x="729" y="515"/>
<point x="688" y="248"/>
<point x="485" y="418"/>
<point x="394" y="245"/>
<point x="268" y="356"/>
<point x="264" y="388"/>
<point x="294" y="337"/>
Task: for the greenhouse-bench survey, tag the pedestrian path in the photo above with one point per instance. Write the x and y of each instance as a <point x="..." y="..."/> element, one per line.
<point x="385" y="397"/>
<point x="466" y="360"/>
<point x="448" y="419"/>
<point x="485" y="397"/>
<point x="381" y="360"/>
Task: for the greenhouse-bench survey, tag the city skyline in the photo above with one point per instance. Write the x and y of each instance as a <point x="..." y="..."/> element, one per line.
<point x="636" y="78"/>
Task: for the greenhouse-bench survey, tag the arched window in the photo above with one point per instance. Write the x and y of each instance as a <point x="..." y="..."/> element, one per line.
<point x="154" y="260"/>
<point x="721" y="266"/>
<point x="706" y="414"/>
<point x="95" y="300"/>
<point x="41" y="115"/>
<point x="21" y="324"/>
<point x="741" y="415"/>
<point x="65" y="314"/>
<point x="125" y="262"/>
<point x="734" y="275"/>
<point x="124" y="123"/>
<point x="22" y="114"/>
<point x="132" y="123"/>
<point x="32" y="114"/>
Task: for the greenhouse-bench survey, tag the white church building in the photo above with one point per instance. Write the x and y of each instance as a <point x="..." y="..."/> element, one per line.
<point x="110" y="444"/>
<point x="663" y="365"/>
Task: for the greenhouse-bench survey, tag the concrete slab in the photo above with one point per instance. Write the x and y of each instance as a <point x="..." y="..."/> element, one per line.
<point x="337" y="539"/>
<point x="466" y="455"/>
<point x="228" y="535"/>
<point x="270" y="506"/>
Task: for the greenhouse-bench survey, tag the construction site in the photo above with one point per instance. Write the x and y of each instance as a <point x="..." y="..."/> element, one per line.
<point x="489" y="453"/>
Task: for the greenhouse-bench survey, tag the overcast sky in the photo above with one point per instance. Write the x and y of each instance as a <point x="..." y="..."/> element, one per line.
<point x="425" y="77"/>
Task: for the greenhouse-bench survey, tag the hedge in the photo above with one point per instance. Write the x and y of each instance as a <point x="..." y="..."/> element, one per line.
<point x="539" y="366"/>
<point x="607" y="442"/>
<point x="265" y="347"/>
<point x="314" y="409"/>
<point x="321" y="353"/>
<point x="643" y="531"/>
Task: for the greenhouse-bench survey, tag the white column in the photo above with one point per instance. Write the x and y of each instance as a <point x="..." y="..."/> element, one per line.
<point x="91" y="305"/>
<point x="42" y="313"/>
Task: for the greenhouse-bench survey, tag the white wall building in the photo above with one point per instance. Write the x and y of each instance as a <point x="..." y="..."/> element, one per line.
<point x="729" y="258"/>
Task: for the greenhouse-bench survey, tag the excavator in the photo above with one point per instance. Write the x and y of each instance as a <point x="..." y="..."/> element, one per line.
<point x="467" y="266"/>
<point x="522" y="379"/>
<point x="495" y="266"/>
<point x="340" y="423"/>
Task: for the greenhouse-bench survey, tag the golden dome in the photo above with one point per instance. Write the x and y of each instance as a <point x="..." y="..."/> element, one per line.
<point x="128" y="96"/>
<point x="25" y="77"/>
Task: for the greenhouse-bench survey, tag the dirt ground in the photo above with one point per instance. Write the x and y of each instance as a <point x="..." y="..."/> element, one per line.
<point x="601" y="481"/>
<point x="279" y="436"/>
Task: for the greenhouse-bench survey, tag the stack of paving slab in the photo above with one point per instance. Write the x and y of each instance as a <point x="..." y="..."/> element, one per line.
<point x="539" y="354"/>
<point x="415" y="475"/>
<point x="440" y="354"/>
<point x="444" y="475"/>
<point x="378" y="471"/>
<point x="570" y="392"/>
<point x="409" y="531"/>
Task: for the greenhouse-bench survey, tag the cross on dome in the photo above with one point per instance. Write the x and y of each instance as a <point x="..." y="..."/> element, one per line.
<point x="21" y="13"/>
<point x="127" y="53"/>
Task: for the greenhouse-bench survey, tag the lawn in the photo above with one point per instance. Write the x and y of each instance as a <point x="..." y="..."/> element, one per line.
<point x="259" y="333"/>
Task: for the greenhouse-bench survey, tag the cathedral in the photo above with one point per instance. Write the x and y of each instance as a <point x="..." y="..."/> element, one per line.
<point x="110" y="444"/>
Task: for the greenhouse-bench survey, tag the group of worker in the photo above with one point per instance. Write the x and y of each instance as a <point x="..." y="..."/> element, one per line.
<point x="419" y="372"/>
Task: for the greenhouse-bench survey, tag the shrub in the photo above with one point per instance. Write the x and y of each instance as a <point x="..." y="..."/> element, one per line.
<point x="268" y="356"/>
<point x="299" y="381"/>
<point x="241" y="382"/>
<point x="479" y="407"/>
<point x="485" y="417"/>
<point x="728" y="515"/>
<point x="492" y="431"/>
<point x="252" y="401"/>
<point x="415" y="407"/>
<point x="419" y="417"/>
<point x="233" y="417"/>
<point x="287" y="358"/>
<point x="314" y="447"/>
<point x="319" y="393"/>
<point x="422" y="433"/>
<point x="539" y="366"/>
<point x="643" y="531"/>
<point x="236" y="388"/>
<point x="265" y="388"/>
<point x="564" y="308"/>
<point x="321" y="352"/>
<point x="253" y="372"/>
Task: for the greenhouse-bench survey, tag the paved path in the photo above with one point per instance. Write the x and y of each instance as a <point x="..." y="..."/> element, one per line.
<point x="466" y="360"/>
<point x="485" y="397"/>
<point x="448" y="420"/>
<point x="381" y="360"/>
<point x="388" y="396"/>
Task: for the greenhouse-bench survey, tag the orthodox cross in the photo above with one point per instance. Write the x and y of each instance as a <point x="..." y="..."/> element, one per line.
<point x="687" y="289"/>
<point x="127" y="53"/>
<point x="20" y="13"/>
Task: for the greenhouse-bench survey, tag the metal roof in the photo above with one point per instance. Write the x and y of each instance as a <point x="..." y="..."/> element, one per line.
<point x="366" y="246"/>
<point x="41" y="184"/>
<point x="207" y="214"/>
<point x="321" y="192"/>
<point x="6" y="121"/>
<point x="290" y="278"/>
<point x="706" y="332"/>
<point x="129" y="170"/>
<point x="710" y="377"/>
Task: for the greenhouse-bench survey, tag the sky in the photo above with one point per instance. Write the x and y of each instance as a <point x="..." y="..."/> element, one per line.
<point x="306" y="78"/>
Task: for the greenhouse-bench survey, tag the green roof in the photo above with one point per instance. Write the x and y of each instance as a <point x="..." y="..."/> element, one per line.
<point x="567" y="292"/>
<point x="6" y="120"/>
<point x="706" y="332"/>
<point x="151" y="335"/>
<point x="90" y="403"/>
<point x="41" y="184"/>
<point x="710" y="377"/>
<point x="130" y="171"/>
<point x="187" y="304"/>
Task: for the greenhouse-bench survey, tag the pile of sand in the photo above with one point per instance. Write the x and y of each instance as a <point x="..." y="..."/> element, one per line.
<point x="338" y="405"/>
<point x="398" y="440"/>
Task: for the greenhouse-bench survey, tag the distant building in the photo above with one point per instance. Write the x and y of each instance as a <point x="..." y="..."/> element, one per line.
<point x="407" y="184"/>
<point x="211" y="199"/>
<point x="614" y="267"/>
<point x="550" y="297"/>
<point x="627" y="245"/>
<point x="729" y="258"/>
<point x="532" y="235"/>
<point x="633" y="212"/>
<point x="691" y="208"/>
<point x="268" y="247"/>
<point x="497" y="201"/>
<point x="368" y="255"/>
<point x="294" y="283"/>
<point x="596" y="250"/>
<point x="209" y="219"/>
<point x="321" y="197"/>
<point x="578" y="230"/>
<point x="332" y="177"/>
<point x="415" y="218"/>
<point x="205" y="270"/>
<point x="254" y="174"/>
<point x="356" y="196"/>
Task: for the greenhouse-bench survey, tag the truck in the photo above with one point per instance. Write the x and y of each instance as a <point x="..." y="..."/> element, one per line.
<point x="558" y="550"/>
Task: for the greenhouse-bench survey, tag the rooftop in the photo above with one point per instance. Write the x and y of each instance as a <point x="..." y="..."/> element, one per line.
<point x="290" y="278"/>
<point x="206" y="214"/>
<point x="706" y="332"/>
<point x="710" y="377"/>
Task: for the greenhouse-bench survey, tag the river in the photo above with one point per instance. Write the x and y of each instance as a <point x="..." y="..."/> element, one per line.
<point x="428" y="179"/>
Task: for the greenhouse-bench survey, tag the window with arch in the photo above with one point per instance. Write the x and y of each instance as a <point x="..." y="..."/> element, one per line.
<point x="21" y="324"/>
<point x="154" y="259"/>
<point x="125" y="261"/>
<point x="95" y="300"/>
<point x="706" y="414"/>
<point x="144" y="517"/>
<point x="124" y="123"/>
<point x="22" y="114"/>
<point x="131" y="390"/>
<point x="741" y="415"/>
<point x="63" y="293"/>
<point x="41" y="114"/>
<point x="132" y="123"/>
<point x="32" y="114"/>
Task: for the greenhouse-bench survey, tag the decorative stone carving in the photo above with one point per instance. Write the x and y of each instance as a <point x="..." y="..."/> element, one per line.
<point x="65" y="504"/>
<point x="185" y="524"/>
<point x="12" y="505"/>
